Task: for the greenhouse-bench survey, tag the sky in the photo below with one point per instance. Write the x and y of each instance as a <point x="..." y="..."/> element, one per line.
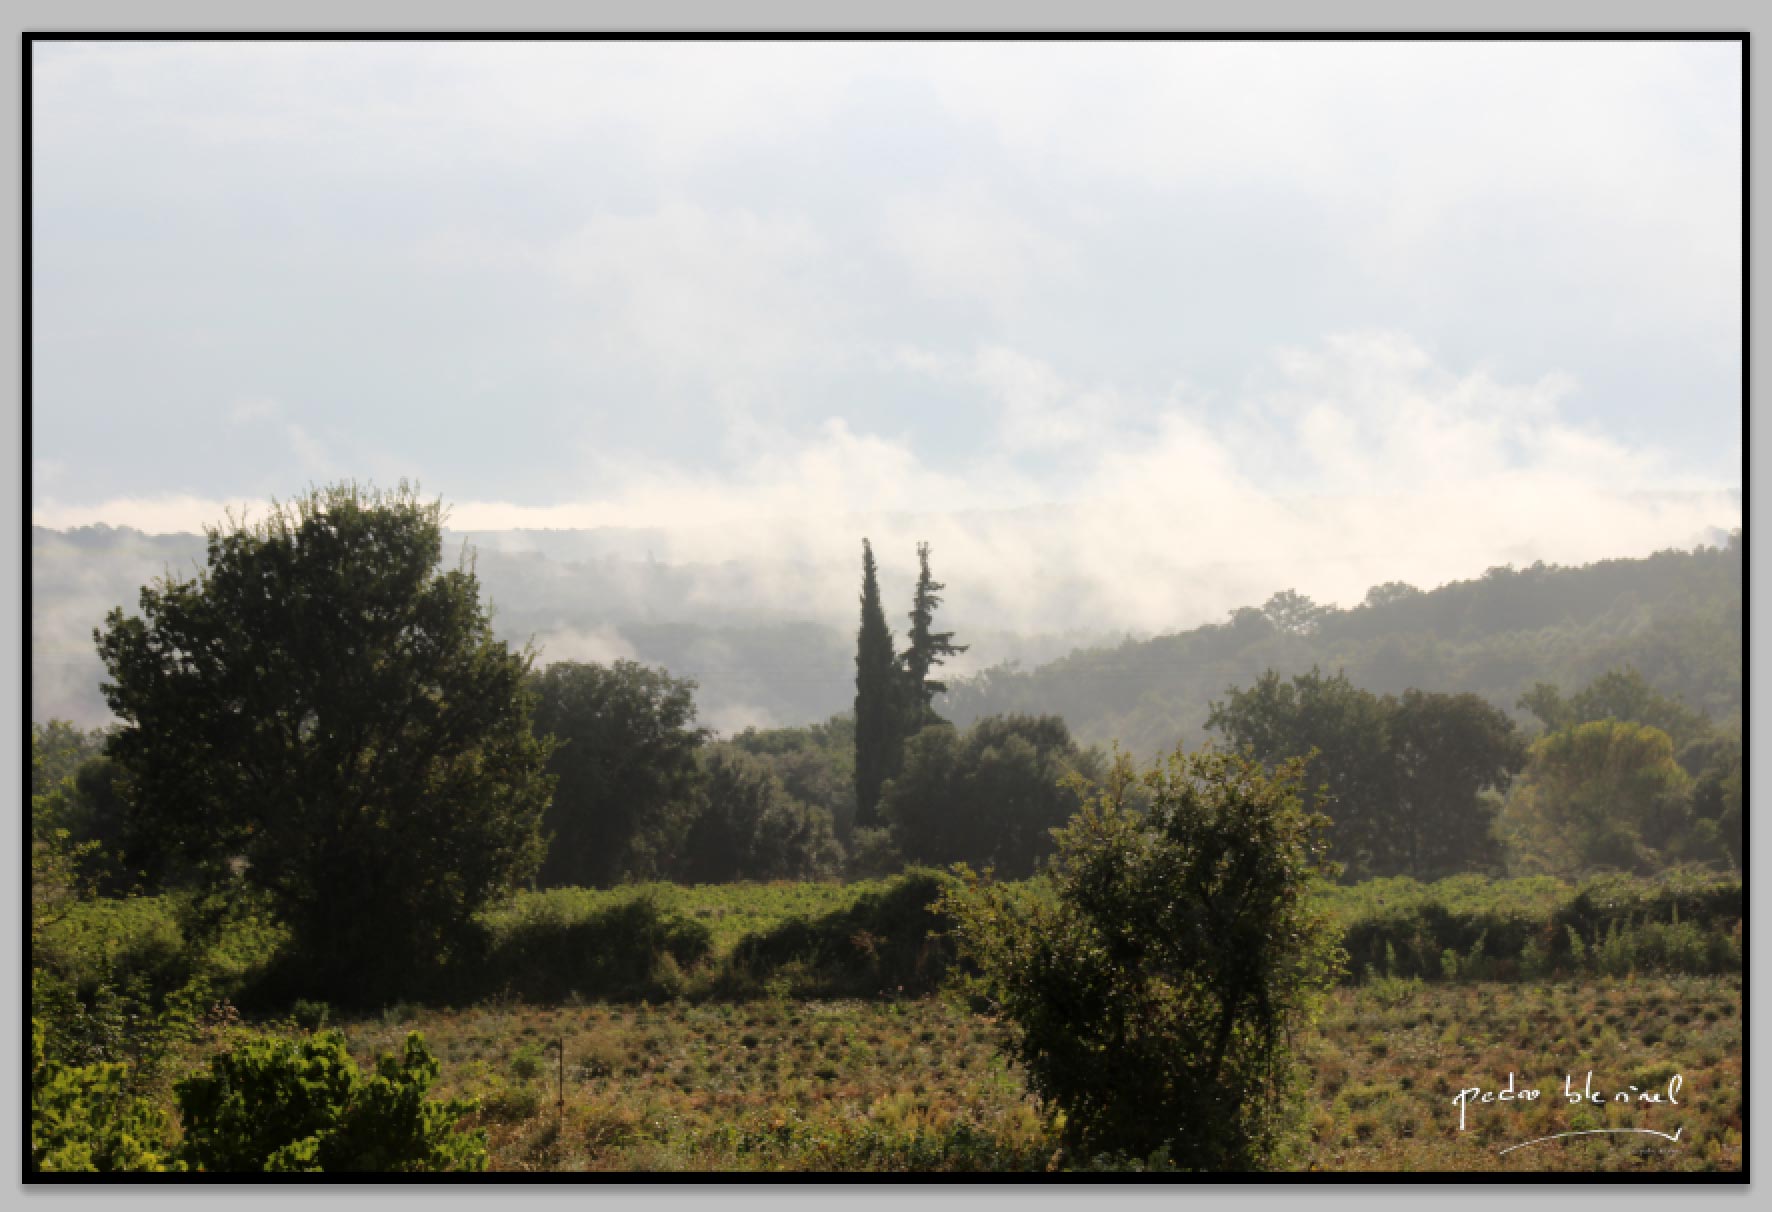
<point x="1174" y="324"/>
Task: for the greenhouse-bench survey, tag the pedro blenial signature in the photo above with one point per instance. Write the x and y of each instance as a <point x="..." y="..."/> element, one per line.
<point x="1586" y="1095"/>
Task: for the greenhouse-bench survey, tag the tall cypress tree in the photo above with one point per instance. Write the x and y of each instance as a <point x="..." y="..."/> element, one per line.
<point x="877" y="733"/>
<point x="927" y="649"/>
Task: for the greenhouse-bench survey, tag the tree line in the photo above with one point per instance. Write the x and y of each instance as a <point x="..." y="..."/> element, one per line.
<point x="1429" y="785"/>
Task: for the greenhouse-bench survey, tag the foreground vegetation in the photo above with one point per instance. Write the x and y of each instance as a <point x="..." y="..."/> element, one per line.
<point x="783" y="1084"/>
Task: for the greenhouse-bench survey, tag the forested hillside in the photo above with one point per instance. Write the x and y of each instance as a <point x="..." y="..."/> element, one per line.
<point x="1674" y="616"/>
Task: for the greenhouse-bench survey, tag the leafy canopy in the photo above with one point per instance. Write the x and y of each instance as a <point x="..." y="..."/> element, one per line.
<point x="1606" y="795"/>
<point x="625" y="761"/>
<point x="1403" y="777"/>
<point x="324" y="709"/>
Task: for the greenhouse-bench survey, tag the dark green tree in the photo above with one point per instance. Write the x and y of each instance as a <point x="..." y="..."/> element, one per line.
<point x="878" y="702"/>
<point x="1403" y="779"/>
<point x="86" y="791"/>
<point x="816" y="764"/>
<point x="747" y="827"/>
<point x="1155" y="997"/>
<point x="990" y="796"/>
<point x="625" y="760"/>
<point x="59" y="749"/>
<point x="1714" y="762"/>
<point x="1448" y="749"/>
<point x="928" y="648"/>
<point x="1344" y="733"/>
<point x="1731" y="830"/>
<point x="324" y="709"/>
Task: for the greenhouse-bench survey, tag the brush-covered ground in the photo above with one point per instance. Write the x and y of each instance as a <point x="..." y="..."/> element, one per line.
<point x="917" y="1085"/>
<point x="779" y="1026"/>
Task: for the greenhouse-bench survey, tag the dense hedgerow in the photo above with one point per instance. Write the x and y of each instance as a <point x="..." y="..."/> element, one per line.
<point x="1472" y="928"/>
<point x="860" y="940"/>
<point x="546" y="949"/>
<point x="891" y="941"/>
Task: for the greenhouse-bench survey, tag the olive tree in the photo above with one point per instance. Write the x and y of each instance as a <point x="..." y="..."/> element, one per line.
<point x="1154" y="991"/>
<point x="325" y="711"/>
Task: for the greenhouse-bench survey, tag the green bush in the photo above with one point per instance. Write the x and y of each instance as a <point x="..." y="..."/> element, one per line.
<point x="551" y="947"/>
<point x="1533" y="928"/>
<point x="528" y="1062"/>
<point x="890" y="941"/>
<point x="276" y="1105"/>
<point x="101" y="941"/>
<point x="310" y="1015"/>
<point x="87" y="1118"/>
<point x="1154" y="997"/>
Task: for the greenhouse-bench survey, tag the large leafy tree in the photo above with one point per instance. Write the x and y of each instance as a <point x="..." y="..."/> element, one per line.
<point x="324" y="704"/>
<point x="878" y="701"/>
<point x="816" y="765"/>
<point x="625" y="747"/>
<point x="1406" y="780"/>
<point x="1344" y="731"/>
<point x="1155" y="996"/>
<point x="747" y="827"/>
<point x="1605" y="795"/>
<point x="990" y="796"/>
<point x="1448" y="750"/>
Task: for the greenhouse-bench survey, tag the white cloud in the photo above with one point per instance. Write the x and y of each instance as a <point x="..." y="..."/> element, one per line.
<point x="730" y="719"/>
<point x="1038" y="410"/>
<point x="726" y="297"/>
<point x="961" y="243"/>
<point x="769" y="297"/>
<point x="254" y="409"/>
<point x="168" y="513"/>
<point x="1408" y="471"/>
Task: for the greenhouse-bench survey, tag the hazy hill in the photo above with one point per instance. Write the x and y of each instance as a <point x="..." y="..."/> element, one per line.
<point x="1676" y="616"/>
<point x="600" y="595"/>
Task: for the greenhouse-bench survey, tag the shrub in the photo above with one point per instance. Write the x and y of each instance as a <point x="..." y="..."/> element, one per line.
<point x="310" y="1016"/>
<point x="551" y="947"/>
<point x="873" y="854"/>
<point x="528" y="1062"/>
<point x="275" y="1105"/>
<point x="1154" y="996"/>
<point x="1679" y="921"/>
<point x="86" y="1118"/>
<point x="889" y="940"/>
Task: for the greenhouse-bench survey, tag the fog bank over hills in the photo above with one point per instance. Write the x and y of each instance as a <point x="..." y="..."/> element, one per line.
<point x="768" y="633"/>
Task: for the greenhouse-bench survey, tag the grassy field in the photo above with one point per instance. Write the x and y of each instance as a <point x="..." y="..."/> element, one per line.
<point x="780" y="1084"/>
